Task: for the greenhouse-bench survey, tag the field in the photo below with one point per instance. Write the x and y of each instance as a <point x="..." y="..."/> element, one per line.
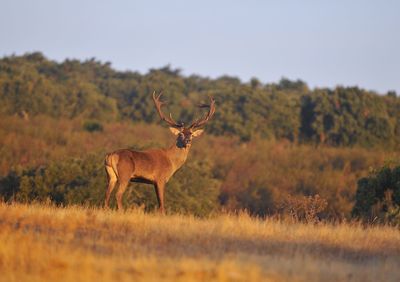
<point x="289" y="182"/>
<point x="47" y="243"/>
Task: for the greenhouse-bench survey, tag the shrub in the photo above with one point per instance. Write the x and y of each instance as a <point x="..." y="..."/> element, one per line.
<point x="83" y="181"/>
<point x="378" y="196"/>
<point x="92" y="126"/>
<point x="305" y="208"/>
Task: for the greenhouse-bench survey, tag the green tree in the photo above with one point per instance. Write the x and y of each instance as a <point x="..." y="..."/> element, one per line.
<point x="378" y="196"/>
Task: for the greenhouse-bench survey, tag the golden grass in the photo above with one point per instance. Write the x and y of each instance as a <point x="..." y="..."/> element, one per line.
<point x="46" y="243"/>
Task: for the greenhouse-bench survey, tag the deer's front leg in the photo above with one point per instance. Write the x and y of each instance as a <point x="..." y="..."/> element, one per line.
<point x="159" y="187"/>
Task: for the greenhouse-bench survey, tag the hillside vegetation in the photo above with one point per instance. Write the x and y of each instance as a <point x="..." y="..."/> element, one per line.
<point x="288" y="183"/>
<point x="264" y="177"/>
<point x="344" y="116"/>
<point x="271" y="149"/>
<point x="45" y="243"/>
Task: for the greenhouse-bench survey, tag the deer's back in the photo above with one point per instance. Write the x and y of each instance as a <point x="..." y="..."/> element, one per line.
<point x="150" y="164"/>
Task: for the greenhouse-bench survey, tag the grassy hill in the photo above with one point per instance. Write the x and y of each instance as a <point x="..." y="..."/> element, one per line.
<point x="46" y="243"/>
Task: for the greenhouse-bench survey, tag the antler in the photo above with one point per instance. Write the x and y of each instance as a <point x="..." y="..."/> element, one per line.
<point x="202" y="121"/>
<point x="158" y="105"/>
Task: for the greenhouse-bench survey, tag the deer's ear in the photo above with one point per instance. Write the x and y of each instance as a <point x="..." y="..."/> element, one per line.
<point x="174" y="130"/>
<point x="197" y="132"/>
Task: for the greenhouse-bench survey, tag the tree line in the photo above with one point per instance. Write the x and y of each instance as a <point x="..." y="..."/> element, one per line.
<point x="33" y="85"/>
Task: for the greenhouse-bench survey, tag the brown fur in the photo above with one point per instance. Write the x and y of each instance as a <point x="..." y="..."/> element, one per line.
<point x="155" y="166"/>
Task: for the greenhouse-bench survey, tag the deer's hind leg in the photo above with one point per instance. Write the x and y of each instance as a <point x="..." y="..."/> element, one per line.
<point x="125" y="170"/>
<point x="112" y="180"/>
<point x="123" y="183"/>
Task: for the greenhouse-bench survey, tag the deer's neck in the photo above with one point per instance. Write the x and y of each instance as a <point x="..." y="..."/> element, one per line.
<point x="177" y="155"/>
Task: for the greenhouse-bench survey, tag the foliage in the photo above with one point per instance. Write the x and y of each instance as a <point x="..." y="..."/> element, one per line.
<point x="32" y="85"/>
<point x="264" y="175"/>
<point x="83" y="181"/>
<point x="192" y="190"/>
<point x="268" y="141"/>
<point x="258" y="175"/>
<point x="378" y="196"/>
<point x="349" y="116"/>
<point x="73" y="181"/>
<point x="92" y="126"/>
<point x="305" y="208"/>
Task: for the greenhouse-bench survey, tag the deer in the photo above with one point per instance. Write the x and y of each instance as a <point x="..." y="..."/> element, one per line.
<point x="153" y="166"/>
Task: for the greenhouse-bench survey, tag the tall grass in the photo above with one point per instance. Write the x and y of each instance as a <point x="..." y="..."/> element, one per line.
<point x="46" y="243"/>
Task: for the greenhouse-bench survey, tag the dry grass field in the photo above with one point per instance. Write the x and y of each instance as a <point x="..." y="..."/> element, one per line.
<point x="46" y="243"/>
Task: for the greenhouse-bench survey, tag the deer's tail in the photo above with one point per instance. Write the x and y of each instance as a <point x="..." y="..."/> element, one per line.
<point x="111" y="160"/>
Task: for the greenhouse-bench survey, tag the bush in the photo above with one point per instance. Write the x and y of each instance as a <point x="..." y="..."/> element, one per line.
<point x="305" y="208"/>
<point x="83" y="181"/>
<point x="73" y="181"/>
<point x="92" y="126"/>
<point x="378" y="196"/>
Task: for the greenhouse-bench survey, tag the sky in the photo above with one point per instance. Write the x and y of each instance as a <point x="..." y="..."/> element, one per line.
<point x="324" y="43"/>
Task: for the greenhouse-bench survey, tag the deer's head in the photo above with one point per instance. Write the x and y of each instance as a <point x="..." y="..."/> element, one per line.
<point x="185" y="134"/>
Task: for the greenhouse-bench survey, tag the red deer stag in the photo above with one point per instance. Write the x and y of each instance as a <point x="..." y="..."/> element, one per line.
<point x="154" y="166"/>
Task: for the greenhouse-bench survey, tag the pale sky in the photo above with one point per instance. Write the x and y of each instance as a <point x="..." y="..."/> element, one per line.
<point x="325" y="43"/>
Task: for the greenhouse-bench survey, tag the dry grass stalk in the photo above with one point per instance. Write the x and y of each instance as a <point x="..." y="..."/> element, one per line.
<point x="45" y="243"/>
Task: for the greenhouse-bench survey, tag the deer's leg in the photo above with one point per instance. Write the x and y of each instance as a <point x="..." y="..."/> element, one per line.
<point x="125" y="168"/>
<point x="123" y="183"/>
<point x="112" y="180"/>
<point x="159" y="187"/>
